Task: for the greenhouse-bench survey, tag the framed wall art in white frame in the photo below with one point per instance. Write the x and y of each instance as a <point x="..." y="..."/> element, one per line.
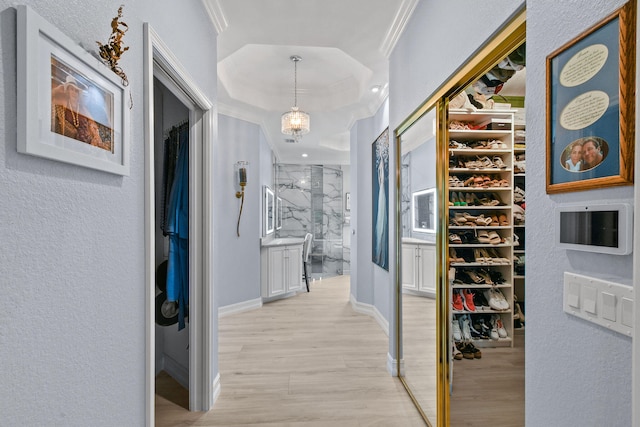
<point x="71" y="107"/>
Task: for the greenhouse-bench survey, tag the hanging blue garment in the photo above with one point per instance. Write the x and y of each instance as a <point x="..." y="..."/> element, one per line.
<point x="178" y="231"/>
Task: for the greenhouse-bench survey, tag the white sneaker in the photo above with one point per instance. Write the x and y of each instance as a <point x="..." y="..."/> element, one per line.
<point x="456" y="332"/>
<point x="502" y="332"/>
<point x="493" y="334"/>
<point x="493" y="299"/>
<point x="502" y="301"/>
<point x="466" y="331"/>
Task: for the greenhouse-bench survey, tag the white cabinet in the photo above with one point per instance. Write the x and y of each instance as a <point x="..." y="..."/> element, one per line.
<point x="419" y="267"/>
<point x="281" y="269"/>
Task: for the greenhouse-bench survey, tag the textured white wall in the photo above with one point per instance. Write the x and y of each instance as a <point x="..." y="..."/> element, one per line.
<point x="577" y="373"/>
<point x="72" y="340"/>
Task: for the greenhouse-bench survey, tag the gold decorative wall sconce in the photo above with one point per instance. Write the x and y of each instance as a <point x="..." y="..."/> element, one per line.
<point x="241" y="173"/>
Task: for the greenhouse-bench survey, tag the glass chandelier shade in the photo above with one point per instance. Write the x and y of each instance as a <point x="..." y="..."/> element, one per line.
<point x="295" y="122"/>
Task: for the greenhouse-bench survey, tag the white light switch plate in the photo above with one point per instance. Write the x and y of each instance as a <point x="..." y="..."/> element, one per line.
<point x="601" y="301"/>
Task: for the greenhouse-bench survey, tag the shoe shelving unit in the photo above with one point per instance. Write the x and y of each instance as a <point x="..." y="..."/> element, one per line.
<point x="519" y="180"/>
<point x="481" y="153"/>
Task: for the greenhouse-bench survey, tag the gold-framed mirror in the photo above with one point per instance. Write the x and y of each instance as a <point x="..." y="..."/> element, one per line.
<point x="418" y="270"/>
<point x="425" y="368"/>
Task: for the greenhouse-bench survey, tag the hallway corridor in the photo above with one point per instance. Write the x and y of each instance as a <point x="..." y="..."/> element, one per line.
<point x="305" y="361"/>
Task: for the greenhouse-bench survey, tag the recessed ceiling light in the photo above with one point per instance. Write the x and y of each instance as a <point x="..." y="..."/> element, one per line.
<point x="305" y="155"/>
<point x="375" y="89"/>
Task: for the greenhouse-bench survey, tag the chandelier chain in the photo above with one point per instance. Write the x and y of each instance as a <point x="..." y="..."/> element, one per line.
<point x="295" y="82"/>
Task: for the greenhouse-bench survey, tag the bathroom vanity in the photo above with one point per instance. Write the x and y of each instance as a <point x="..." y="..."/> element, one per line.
<point x="280" y="267"/>
<point x="419" y="266"/>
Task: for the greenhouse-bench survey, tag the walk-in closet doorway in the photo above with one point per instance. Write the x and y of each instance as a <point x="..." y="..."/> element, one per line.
<point x="428" y="370"/>
<point x="163" y="74"/>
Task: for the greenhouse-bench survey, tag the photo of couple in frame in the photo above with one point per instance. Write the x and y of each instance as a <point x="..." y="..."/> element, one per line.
<point x="591" y="107"/>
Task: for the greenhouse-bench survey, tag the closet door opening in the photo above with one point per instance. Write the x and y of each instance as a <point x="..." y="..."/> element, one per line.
<point x="176" y="110"/>
<point x="486" y="240"/>
<point x="478" y="160"/>
<point x="171" y="147"/>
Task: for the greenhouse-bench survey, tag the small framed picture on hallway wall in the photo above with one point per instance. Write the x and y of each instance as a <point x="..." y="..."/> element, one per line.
<point x="591" y="106"/>
<point x="71" y="107"/>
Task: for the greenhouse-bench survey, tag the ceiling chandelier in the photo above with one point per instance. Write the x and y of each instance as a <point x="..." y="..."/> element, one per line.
<point x="295" y="122"/>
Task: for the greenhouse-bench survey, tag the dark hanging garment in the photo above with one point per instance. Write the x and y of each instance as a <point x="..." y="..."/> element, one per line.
<point x="171" y="147"/>
<point x="177" y="228"/>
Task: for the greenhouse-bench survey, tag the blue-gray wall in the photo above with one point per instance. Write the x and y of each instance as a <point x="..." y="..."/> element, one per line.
<point x="72" y="258"/>
<point x="558" y="392"/>
<point x="237" y="272"/>
<point x="370" y="284"/>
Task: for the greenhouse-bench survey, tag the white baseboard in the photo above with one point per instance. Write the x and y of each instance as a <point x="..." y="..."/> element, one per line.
<point x="239" y="307"/>
<point x="216" y="389"/>
<point x="370" y="310"/>
<point x="176" y="371"/>
<point x="392" y="365"/>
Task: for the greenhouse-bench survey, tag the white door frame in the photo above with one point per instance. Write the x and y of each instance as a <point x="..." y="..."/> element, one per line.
<point x="203" y="388"/>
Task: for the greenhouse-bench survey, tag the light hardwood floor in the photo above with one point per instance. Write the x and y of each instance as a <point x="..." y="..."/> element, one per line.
<point x="305" y="361"/>
<point x="490" y="391"/>
<point x="486" y="392"/>
<point x="419" y="350"/>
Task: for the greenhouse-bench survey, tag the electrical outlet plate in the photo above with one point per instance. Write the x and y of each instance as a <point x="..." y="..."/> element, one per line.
<point x="601" y="301"/>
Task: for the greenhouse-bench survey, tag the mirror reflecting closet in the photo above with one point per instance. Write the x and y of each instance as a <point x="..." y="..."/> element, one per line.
<point x="418" y="225"/>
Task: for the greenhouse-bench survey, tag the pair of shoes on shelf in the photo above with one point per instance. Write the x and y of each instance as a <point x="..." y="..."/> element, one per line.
<point x="496" y="299"/>
<point x="458" y="199"/>
<point x="496" y="323"/>
<point x="480" y="302"/>
<point x="463" y="300"/>
<point x="456" y="332"/>
<point x="465" y="327"/>
<point x="496" y="277"/>
<point x="480" y="330"/>
<point x="458" y="145"/>
<point x="517" y="311"/>
<point x="457" y="303"/>
<point x="455" y="182"/>
<point x="467" y="300"/>
<point x="457" y="354"/>
<point x="489" y="256"/>
<point x="453" y="256"/>
<point x="489" y="237"/>
<point x="469" y="351"/>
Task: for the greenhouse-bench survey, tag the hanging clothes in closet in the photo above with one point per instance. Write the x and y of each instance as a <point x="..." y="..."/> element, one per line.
<point x="176" y="224"/>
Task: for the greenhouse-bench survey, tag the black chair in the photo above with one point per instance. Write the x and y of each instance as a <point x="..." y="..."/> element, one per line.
<point x="306" y="249"/>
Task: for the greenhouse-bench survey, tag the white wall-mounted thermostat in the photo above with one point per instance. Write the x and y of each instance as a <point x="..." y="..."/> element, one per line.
<point x="602" y="228"/>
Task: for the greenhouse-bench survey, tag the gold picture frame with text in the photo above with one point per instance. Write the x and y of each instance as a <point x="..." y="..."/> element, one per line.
<point x="591" y="106"/>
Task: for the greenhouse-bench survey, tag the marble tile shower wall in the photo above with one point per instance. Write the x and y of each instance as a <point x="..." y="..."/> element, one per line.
<point x="312" y="203"/>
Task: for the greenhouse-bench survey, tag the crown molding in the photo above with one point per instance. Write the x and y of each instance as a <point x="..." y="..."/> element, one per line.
<point x="397" y="27"/>
<point x="216" y="14"/>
